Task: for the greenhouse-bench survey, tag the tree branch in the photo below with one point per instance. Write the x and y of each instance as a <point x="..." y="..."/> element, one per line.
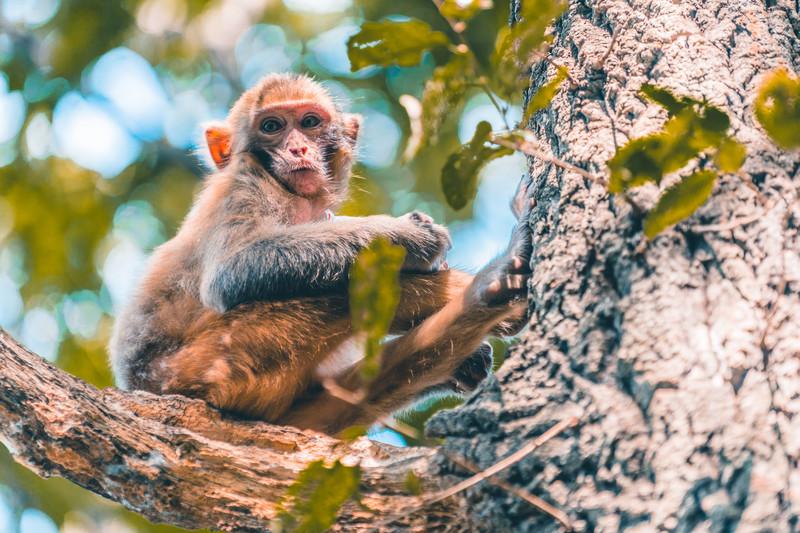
<point x="176" y="460"/>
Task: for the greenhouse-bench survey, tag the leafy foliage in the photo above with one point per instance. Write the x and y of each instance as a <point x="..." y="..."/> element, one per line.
<point x="413" y="483"/>
<point x="545" y="94"/>
<point x="316" y="495"/>
<point x="445" y="93"/>
<point x="353" y="432"/>
<point x="460" y="173"/>
<point x="691" y="130"/>
<point x="374" y="294"/>
<point x="403" y="43"/>
<point x="516" y="45"/>
<point x="390" y="42"/>
<point x="673" y="104"/>
<point x="693" y="127"/>
<point x="730" y="155"/>
<point x="679" y="201"/>
<point x="777" y="108"/>
<point x="463" y="11"/>
<point x="417" y="417"/>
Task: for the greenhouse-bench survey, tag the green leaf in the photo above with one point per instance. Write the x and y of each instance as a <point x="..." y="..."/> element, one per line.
<point x="316" y="496"/>
<point x="391" y="42"/>
<point x="352" y="433"/>
<point x="647" y="159"/>
<point x="515" y="46"/>
<point x="413" y="484"/>
<point x="715" y="121"/>
<point x="679" y="202"/>
<point x="444" y="94"/>
<point x="662" y="97"/>
<point x="453" y="9"/>
<point x="500" y="349"/>
<point x="460" y="172"/>
<point x="418" y="414"/>
<point x="777" y="108"/>
<point x="730" y="155"/>
<point x="673" y="104"/>
<point x="545" y="94"/>
<point x="374" y="294"/>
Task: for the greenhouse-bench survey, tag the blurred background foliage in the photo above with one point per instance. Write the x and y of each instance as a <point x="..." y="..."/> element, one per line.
<point x="101" y="110"/>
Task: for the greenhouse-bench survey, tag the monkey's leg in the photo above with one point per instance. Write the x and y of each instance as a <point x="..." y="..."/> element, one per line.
<point x="431" y="352"/>
<point x="426" y="356"/>
<point x="424" y="294"/>
<point x="255" y="359"/>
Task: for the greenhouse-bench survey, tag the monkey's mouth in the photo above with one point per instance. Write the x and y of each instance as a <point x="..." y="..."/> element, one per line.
<point x="305" y="180"/>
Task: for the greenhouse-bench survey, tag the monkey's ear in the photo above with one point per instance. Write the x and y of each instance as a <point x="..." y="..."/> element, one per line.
<point x="218" y="139"/>
<point x="352" y="125"/>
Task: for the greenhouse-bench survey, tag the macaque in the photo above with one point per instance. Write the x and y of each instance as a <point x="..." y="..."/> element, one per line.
<point x="246" y="302"/>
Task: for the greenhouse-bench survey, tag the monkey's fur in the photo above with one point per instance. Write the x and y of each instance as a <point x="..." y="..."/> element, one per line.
<point x="242" y="306"/>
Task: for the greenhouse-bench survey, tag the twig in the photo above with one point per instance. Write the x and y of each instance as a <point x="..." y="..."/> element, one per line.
<point x="726" y="226"/>
<point x="489" y="472"/>
<point x="602" y="61"/>
<point x="747" y="180"/>
<point x="780" y="290"/>
<point x="544" y="57"/>
<point x="503" y="111"/>
<point x="532" y="499"/>
<point x="534" y="151"/>
<point x="504" y="463"/>
<point x="741" y="221"/>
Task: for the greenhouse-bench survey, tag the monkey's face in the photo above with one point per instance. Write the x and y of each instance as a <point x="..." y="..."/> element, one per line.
<point x="293" y="130"/>
<point x="291" y="140"/>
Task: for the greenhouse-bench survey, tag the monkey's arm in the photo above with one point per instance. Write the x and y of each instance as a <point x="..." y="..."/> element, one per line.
<point x="284" y="261"/>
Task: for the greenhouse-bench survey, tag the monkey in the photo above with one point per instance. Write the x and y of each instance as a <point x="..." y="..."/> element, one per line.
<point x="242" y="306"/>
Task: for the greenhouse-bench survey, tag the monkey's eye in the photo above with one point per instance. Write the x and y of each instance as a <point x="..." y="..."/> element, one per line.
<point x="310" y="121"/>
<point x="271" y="125"/>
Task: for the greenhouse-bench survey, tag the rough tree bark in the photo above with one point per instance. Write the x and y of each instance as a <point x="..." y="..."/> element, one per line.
<point x="679" y="356"/>
<point x="175" y="460"/>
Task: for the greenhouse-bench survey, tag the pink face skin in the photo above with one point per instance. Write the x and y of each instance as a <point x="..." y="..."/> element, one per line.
<point x="290" y="132"/>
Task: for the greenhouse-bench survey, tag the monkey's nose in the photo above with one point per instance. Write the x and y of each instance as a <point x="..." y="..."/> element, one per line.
<point x="298" y="150"/>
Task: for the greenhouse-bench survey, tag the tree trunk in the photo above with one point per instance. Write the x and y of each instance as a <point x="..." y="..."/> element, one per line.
<point x="680" y="356"/>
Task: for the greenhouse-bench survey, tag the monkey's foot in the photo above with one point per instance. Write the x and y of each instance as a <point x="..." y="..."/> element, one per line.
<point x="473" y="370"/>
<point x="505" y="280"/>
<point x="510" y="284"/>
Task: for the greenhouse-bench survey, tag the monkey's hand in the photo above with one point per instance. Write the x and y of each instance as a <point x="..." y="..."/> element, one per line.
<point x="426" y="243"/>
